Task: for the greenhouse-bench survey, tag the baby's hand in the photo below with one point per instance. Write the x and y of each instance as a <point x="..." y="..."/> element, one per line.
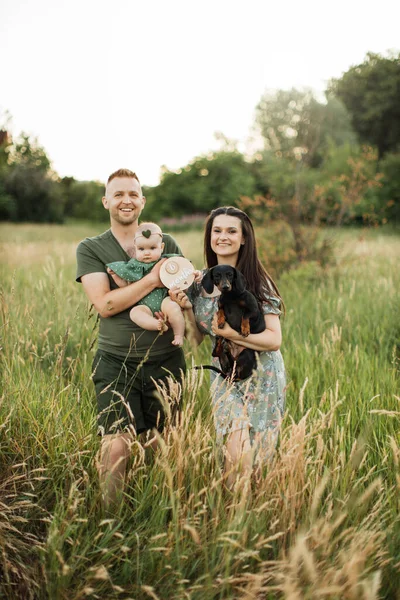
<point x="198" y="276"/>
<point x="118" y="280"/>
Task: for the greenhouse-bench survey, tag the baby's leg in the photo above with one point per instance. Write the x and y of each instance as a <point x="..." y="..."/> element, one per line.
<point x="176" y="319"/>
<point x="142" y="316"/>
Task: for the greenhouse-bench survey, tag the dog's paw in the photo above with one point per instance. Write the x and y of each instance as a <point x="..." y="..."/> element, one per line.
<point x="245" y="327"/>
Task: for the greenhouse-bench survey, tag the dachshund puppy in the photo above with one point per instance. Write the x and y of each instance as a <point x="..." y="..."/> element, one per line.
<point x="240" y="309"/>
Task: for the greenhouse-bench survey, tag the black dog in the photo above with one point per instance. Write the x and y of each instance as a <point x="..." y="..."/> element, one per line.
<point x="240" y="309"/>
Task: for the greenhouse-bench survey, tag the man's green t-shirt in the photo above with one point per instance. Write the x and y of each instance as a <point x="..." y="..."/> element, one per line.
<point x="118" y="334"/>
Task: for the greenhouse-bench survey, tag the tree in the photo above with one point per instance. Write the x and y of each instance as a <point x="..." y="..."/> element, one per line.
<point x="371" y="92"/>
<point x="295" y="125"/>
<point x="82" y="199"/>
<point x="389" y="193"/>
<point x="7" y="202"/>
<point x="32" y="184"/>
<point x="209" y="181"/>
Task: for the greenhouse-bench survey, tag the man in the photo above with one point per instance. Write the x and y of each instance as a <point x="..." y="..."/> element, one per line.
<point x="128" y="358"/>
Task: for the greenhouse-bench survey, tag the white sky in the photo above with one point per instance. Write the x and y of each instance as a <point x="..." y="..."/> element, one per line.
<point x="141" y="84"/>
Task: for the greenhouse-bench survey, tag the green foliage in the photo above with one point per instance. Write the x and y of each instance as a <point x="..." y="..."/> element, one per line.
<point x="295" y="125"/>
<point x="341" y="191"/>
<point x="38" y="197"/>
<point x="285" y="246"/>
<point x="83" y="199"/>
<point x="8" y="209"/>
<point x="26" y="152"/>
<point x="209" y="181"/>
<point x="347" y="187"/>
<point x="29" y="190"/>
<point x="370" y="91"/>
<point x="312" y="170"/>
<point x="336" y="127"/>
<point x="388" y="195"/>
<point x="7" y="202"/>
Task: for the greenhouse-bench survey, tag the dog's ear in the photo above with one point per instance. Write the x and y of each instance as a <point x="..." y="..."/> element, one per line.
<point x="240" y="281"/>
<point x="208" y="282"/>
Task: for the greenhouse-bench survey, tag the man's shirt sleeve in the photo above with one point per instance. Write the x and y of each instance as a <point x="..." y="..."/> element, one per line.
<point x="87" y="261"/>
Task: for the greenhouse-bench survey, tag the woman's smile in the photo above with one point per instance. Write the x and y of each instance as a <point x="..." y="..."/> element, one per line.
<point x="226" y="238"/>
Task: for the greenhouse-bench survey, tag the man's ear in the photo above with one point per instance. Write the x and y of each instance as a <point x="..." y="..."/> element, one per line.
<point x="208" y="282"/>
<point x="240" y="281"/>
<point x="105" y="202"/>
<point x="162" y="247"/>
<point x="144" y="200"/>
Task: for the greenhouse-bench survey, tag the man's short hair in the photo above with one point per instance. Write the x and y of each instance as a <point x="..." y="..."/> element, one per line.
<point x="123" y="173"/>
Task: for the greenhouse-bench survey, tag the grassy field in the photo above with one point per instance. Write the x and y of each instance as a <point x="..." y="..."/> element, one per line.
<point x="323" y="519"/>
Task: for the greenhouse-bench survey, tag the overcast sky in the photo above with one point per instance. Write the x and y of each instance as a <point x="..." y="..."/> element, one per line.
<point x="141" y="84"/>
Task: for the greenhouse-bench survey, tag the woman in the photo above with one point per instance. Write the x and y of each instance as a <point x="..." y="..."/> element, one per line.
<point x="247" y="413"/>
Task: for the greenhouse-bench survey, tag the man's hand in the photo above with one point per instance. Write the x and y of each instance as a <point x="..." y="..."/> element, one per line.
<point x="155" y="274"/>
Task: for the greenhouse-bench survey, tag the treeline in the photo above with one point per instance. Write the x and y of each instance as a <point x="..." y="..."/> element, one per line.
<point x="31" y="191"/>
<point x="335" y="161"/>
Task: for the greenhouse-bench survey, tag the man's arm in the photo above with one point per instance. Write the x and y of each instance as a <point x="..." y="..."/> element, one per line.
<point x="109" y="302"/>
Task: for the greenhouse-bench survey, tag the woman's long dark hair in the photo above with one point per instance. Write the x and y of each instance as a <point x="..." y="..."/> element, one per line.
<point x="259" y="282"/>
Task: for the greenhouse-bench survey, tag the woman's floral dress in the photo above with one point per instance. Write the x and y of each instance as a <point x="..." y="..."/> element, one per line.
<point x="257" y="402"/>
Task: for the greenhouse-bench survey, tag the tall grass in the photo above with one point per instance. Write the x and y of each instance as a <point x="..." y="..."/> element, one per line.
<point x="321" y="521"/>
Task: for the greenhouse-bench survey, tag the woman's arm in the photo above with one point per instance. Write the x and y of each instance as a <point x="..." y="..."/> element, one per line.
<point x="267" y="341"/>
<point x="192" y="332"/>
<point x="109" y="302"/>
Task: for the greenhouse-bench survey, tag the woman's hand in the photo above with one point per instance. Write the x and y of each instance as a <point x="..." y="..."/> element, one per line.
<point x="180" y="298"/>
<point x="191" y="330"/>
<point x="226" y="332"/>
<point x="268" y="340"/>
<point x="198" y="276"/>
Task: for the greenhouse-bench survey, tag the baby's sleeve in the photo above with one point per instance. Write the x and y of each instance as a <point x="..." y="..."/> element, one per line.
<point x="126" y="270"/>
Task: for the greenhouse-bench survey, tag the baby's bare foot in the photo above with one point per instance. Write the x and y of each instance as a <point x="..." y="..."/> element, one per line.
<point x="178" y="340"/>
<point x="162" y="325"/>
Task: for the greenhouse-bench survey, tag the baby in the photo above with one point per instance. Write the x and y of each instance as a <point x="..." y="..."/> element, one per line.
<point x="148" y="249"/>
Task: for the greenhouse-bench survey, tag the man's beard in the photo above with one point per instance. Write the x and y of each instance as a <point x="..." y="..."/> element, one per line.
<point x="128" y="220"/>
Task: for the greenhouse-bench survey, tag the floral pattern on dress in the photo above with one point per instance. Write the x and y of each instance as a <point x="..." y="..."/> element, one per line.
<point x="257" y="402"/>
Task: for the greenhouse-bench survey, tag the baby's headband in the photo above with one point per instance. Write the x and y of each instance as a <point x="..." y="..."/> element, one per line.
<point x="147" y="233"/>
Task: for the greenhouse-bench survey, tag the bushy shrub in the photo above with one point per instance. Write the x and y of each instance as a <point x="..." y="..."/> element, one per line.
<point x="389" y="193"/>
<point x="8" y="207"/>
<point x="283" y="247"/>
<point x="37" y="197"/>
